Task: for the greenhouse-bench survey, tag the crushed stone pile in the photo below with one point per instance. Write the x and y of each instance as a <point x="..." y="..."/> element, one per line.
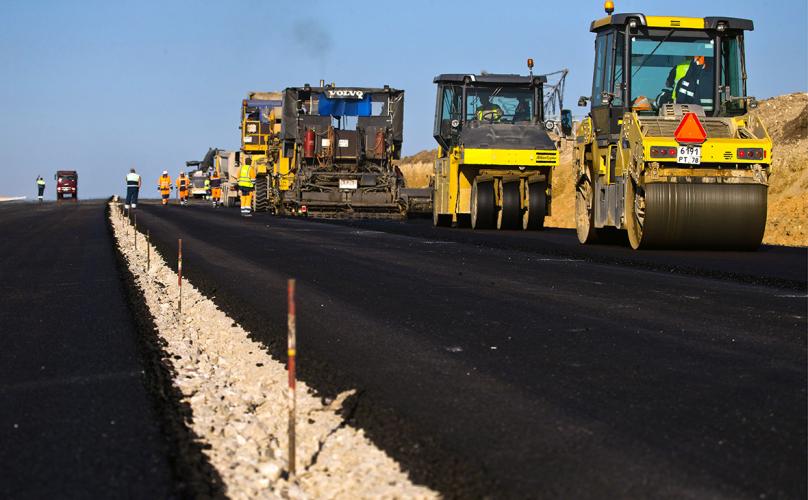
<point x="238" y="395"/>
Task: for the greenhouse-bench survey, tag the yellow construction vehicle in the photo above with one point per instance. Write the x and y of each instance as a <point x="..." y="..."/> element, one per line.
<point x="669" y="151"/>
<point x="260" y="146"/>
<point x="495" y="156"/>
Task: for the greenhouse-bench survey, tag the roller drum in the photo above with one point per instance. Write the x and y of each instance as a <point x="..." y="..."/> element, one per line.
<point x="704" y="215"/>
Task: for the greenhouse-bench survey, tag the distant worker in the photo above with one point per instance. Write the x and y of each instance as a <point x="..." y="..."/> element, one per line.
<point x="182" y="188"/>
<point x="132" y="189"/>
<point x="207" y="187"/>
<point x="246" y="184"/>
<point x="215" y="188"/>
<point x="40" y="188"/>
<point x="487" y="111"/>
<point x="164" y="186"/>
<point x="684" y="80"/>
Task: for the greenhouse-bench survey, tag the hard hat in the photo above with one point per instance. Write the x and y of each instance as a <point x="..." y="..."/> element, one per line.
<point x="699" y="60"/>
<point x="641" y="103"/>
<point x="165" y="172"/>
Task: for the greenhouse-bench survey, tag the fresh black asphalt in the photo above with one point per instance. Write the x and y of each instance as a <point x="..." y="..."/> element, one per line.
<point x="512" y="365"/>
<point x="76" y="420"/>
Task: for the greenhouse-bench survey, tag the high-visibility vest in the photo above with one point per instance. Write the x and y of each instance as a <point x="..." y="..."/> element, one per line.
<point x="207" y="183"/>
<point x="215" y="181"/>
<point x="40" y="182"/>
<point x="182" y="183"/>
<point x="491" y="112"/>
<point x="679" y="72"/>
<point x="132" y="180"/>
<point x="165" y="182"/>
<point x="246" y="176"/>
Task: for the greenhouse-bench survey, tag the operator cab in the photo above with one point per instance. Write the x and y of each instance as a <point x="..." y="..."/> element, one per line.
<point x="648" y="63"/>
<point x="475" y="101"/>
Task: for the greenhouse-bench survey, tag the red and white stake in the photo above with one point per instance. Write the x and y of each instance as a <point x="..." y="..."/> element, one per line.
<point x="148" y="251"/>
<point x="179" y="276"/>
<point x="292" y="352"/>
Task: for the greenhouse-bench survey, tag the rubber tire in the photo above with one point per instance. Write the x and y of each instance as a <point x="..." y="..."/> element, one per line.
<point x="260" y="194"/>
<point x="438" y="219"/>
<point x="511" y="214"/>
<point x="633" y="228"/>
<point x="482" y="205"/>
<point x="585" y="211"/>
<point x="533" y="219"/>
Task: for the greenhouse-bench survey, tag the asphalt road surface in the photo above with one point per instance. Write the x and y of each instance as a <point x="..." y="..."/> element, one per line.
<point x="519" y="365"/>
<point x="76" y="420"/>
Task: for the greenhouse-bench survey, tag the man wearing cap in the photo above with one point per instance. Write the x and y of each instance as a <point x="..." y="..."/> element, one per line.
<point x="164" y="186"/>
<point x="132" y="189"/>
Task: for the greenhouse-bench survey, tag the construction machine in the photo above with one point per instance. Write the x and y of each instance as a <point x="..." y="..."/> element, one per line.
<point x="495" y="156"/>
<point x="669" y="151"/>
<point x="337" y="150"/>
<point x="260" y="128"/>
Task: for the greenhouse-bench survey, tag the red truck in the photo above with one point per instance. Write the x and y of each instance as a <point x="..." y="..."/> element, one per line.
<point x="67" y="184"/>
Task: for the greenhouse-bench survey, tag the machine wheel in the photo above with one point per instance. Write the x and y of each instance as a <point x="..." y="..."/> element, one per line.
<point x="260" y="195"/>
<point x="440" y="220"/>
<point x="511" y="214"/>
<point x="533" y="218"/>
<point x="482" y="205"/>
<point x="585" y="210"/>
<point x="635" y="213"/>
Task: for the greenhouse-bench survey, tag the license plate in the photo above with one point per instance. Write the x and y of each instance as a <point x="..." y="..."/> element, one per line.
<point x="689" y="155"/>
<point x="348" y="183"/>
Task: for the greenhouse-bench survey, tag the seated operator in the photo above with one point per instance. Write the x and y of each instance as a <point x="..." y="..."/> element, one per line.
<point x="685" y="81"/>
<point x="487" y="111"/>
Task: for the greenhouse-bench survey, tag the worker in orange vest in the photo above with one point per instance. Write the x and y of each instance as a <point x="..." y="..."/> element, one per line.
<point x="216" y="188"/>
<point x="164" y="186"/>
<point x="246" y="184"/>
<point x="182" y="187"/>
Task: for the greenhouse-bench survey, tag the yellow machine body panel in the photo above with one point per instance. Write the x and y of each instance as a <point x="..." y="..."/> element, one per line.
<point x="284" y="171"/>
<point x="510" y="157"/>
<point x="660" y="22"/>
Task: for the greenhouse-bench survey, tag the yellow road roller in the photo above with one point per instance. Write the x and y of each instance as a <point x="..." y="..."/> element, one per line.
<point x="669" y="151"/>
<point x="495" y="156"/>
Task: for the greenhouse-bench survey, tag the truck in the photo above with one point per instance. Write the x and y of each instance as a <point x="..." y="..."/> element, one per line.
<point x="67" y="184"/>
<point x="669" y="152"/>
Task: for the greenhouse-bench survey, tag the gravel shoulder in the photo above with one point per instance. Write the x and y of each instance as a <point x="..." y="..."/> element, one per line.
<point x="237" y="396"/>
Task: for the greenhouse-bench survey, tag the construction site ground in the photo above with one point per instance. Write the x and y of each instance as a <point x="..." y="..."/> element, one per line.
<point x="500" y="364"/>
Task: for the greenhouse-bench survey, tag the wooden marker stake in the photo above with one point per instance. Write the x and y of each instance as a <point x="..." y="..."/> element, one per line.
<point x="292" y="352"/>
<point x="179" y="276"/>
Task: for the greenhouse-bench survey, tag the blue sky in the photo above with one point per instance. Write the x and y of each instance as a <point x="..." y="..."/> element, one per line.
<point x="101" y="86"/>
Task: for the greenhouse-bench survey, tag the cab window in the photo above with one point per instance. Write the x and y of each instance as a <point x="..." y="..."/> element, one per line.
<point x="600" y="67"/>
<point x="732" y="75"/>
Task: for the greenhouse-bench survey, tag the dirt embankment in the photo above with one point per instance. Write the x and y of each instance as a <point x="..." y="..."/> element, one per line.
<point x="785" y="117"/>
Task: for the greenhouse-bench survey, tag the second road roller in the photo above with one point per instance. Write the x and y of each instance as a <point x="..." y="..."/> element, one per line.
<point x="669" y="151"/>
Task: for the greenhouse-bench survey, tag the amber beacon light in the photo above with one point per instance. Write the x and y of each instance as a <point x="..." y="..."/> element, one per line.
<point x="608" y="7"/>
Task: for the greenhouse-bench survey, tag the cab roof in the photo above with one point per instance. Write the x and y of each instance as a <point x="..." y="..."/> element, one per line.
<point x="502" y="79"/>
<point x="695" y="23"/>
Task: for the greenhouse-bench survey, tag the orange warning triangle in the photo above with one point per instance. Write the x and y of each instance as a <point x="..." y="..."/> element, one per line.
<point x="690" y="130"/>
